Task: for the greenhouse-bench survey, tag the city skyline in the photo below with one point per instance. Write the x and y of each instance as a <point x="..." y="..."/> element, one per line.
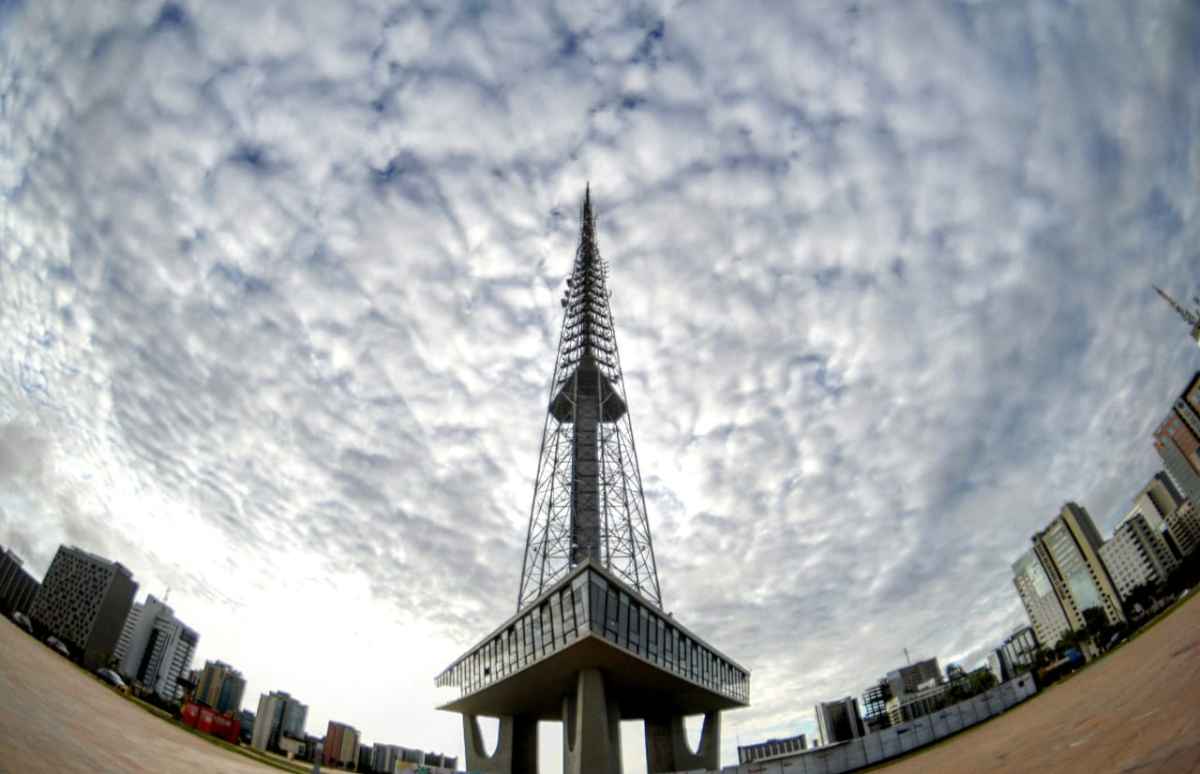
<point x="283" y="353"/>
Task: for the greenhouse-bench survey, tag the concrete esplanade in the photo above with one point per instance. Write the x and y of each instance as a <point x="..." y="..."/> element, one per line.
<point x="590" y="644"/>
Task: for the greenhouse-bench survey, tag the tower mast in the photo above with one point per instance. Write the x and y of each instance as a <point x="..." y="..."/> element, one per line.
<point x="588" y="503"/>
<point x="1190" y="316"/>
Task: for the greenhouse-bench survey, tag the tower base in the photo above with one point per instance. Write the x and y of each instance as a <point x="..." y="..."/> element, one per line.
<point x="667" y="748"/>
<point x="591" y="728"/>
<point x="516" y="751"/>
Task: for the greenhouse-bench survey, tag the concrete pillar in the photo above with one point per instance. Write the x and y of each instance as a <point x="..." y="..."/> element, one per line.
<point x="667" y="748"/>
<point x="591" y="728"/>
<point x="516" y="750"/>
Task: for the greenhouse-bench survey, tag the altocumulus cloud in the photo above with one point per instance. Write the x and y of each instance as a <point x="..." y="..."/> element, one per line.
<point x="279" y="300"/>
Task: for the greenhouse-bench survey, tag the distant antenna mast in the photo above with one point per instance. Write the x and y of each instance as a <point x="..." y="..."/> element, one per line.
<point x="907" y="660"/>
<point x="1190" y="316"/>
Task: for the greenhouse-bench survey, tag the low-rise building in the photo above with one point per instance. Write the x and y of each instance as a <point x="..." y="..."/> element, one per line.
<point x="930" y="697"/>
<point x="771" y="748"/>
<point x="83" y="601"/>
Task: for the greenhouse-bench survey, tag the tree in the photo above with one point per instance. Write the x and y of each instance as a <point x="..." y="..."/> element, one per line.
<point x="1138" y="600"/>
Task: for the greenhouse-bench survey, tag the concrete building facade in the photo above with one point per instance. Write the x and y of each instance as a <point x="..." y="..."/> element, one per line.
<point x="155" y="648"/>
<point x="1177" y="441"/>
<point x="1037" y="594"/>
<point x="1137" y="554"/>
<point x="1020" y="649"/>
<point x="910" y="678"/>
<point x="915" y="704"/>
<point x="278" y="715"/>
<point x="1183" y="526"/>
<point x="17" y="586"/>
<point x="84" y="601"/>
<point x="839" y="720"/>
<point x="220" y="686"/>
<point x="771" y="748"/>
<point x="998" y="665"/>
<point x="341" y="744"/>
<point x="384" y="757"/>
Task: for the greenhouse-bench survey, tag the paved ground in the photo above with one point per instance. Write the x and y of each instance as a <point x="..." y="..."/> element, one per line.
<point x="1137" y="710"/>
<point x="55" y="718"/>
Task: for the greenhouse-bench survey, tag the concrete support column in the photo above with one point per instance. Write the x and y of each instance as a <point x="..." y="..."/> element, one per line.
<point x="516" y="750"/>
<point x="591" y="728"/>
<point x="667" y="748"/>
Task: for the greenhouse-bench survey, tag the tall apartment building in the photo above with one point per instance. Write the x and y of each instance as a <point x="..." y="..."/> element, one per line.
<point x="155" y="648"/>
<point x="278" y="715"/>
<point x="1042" y="605"/>
<point x="83" y="601"/>
<point x="17" y="587"/>
<point x="341" y="744"/>
<point x="1177" y="441"/>
<point x="839" y="720"/>
<point x="220" y="686"/>
<point x="1069" y="551"/>
<point x="1183" y="526"/>
<point x="1137" y="554"/>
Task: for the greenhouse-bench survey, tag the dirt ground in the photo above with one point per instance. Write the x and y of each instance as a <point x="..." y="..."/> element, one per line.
<point x="55" y="718"/>
<point x="1138" y="709"/>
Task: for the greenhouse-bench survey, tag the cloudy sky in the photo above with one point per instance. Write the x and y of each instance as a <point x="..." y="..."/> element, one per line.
<point x="279" y="299"/>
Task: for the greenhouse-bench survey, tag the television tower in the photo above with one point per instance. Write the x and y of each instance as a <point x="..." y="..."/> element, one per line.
<point x="587" y="496"/>
<point x="1190" y="316"/>
<point x="590" y="644"/>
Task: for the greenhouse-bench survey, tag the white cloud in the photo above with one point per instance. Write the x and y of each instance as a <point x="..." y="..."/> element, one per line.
<point x="280" y="299"/>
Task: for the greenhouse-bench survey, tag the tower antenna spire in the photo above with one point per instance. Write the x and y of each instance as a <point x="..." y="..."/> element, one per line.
<point x="588" y="504"/>
<point x="1189" y="316"/>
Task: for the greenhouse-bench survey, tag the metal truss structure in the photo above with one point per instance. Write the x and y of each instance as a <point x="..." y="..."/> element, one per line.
<point x="587" y="497"/>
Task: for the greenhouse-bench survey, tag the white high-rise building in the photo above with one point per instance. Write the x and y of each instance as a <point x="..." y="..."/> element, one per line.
<point x="155" y="648"/>
<point x="1137" y="554"/>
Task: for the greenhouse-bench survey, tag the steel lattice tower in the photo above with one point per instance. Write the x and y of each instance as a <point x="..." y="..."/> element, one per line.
<point x="587" y="496"/>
